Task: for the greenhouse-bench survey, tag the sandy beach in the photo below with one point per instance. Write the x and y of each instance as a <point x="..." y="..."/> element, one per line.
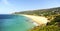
<point x="37" y="20"/>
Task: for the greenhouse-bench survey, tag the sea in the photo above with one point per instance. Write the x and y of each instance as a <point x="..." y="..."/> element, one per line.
<point x="13" y="22"/>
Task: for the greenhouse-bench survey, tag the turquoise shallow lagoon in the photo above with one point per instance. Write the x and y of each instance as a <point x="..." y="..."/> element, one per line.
<point x="15" y="23"/>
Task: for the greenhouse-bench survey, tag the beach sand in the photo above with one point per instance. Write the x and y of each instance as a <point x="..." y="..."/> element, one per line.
<point x="37" y="20"/>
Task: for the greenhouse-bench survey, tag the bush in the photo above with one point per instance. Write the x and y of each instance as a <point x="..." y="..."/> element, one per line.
<point x="47" y="28"/>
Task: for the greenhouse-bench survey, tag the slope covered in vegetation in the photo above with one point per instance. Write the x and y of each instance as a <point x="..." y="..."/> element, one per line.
<point x="42" y="12"/>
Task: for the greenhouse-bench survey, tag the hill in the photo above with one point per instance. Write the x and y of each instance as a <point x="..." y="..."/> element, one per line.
<point x="42" y="12"/>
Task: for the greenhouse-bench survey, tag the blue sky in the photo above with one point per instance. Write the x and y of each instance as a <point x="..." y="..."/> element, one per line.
<point x="9" y="6"/>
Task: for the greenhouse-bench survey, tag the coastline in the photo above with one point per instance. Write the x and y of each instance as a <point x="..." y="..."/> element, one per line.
<point x="37" y="20"/>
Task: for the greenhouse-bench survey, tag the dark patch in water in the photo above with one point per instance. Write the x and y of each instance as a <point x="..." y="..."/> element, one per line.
<point x="6" y="16"/>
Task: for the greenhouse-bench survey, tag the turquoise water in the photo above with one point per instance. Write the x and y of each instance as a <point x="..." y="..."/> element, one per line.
<point x="15" y="23"/>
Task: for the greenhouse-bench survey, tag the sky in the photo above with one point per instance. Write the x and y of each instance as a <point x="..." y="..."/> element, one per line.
<point x="10" y="6"/>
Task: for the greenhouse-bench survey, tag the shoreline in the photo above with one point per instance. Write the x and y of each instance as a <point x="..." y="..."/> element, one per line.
<point x="37" y="20"/>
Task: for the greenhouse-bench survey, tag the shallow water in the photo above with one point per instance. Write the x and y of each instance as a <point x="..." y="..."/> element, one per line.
<point x="15" y="23"/>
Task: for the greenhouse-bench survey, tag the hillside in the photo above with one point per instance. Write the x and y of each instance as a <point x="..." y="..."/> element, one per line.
<point x="42" y="12"/>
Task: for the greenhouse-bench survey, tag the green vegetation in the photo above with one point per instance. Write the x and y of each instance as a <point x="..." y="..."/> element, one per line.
<point x="46" y="28"/>
<point x="53" y="14"/>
